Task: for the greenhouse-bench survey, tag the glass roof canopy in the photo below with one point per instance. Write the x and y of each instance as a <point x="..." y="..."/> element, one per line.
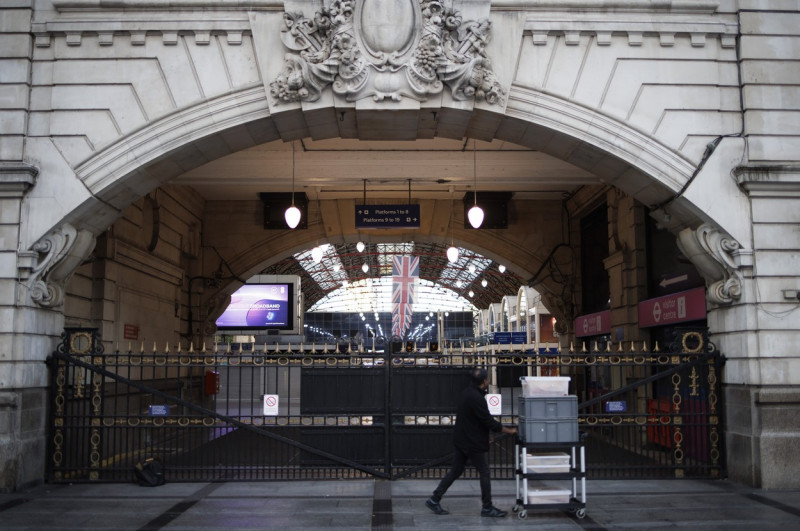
<point x="338" y="282"/>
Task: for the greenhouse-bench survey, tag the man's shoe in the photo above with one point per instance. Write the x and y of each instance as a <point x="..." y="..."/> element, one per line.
<point x="435" y="507"/>
<point x="493" y="511"/>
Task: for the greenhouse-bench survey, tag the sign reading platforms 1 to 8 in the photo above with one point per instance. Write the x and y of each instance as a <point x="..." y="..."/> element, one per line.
<point x="387" y="216"/>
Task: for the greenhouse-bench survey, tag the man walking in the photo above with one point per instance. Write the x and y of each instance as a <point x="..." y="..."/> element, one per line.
<point x="471" y="441"/>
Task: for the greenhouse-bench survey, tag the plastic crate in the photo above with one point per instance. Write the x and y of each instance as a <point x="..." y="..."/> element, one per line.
<point x="540" y="496"/>
<point x="547" y="431"/>
<point x="545" y="385"/>
<point x="551" y="407"/>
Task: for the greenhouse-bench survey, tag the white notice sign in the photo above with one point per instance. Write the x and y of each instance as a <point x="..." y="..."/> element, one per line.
<point x="270" y="405"/>
<point x="495" y="404"/>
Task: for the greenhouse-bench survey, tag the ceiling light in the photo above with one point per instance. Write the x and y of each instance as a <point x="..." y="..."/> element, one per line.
<point x="458" y="283"/>
<point x="360" y="247"/>
<point x="336" y="267"/>
<point x="452" y="254"/>
<point x="501" y="268"/>
<point x="292" y="214"/>
<point x="316" y="254"/>
<point x="484" y="283"/>
<point x="365" y="268"/>
<point x="471" y="268"/>
<point x="471" y="293"/>
<point x="475" y="213"/>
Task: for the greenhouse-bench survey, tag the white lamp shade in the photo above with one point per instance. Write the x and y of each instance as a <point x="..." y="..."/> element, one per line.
<point x="360" y="247"/>
<point x="501" y="268"/>
<point x="471" y="268"/>
<point x="292" y="216"/>
<point x="365" y="268"/>
<point x="475" y="216"/>
<point x="452" y="254"/>
<point x="316" y="254"/>
<point x="471" y="293"/>
<point x="484" y="282"/>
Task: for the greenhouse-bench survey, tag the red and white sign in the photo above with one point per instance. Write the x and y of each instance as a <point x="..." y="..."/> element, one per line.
<point x="130" y="331"/>
<point x="495" y="404"/>
<point x="674" y="308"/>
<point x="593" y="324"/>
<point x="270" y="405"/>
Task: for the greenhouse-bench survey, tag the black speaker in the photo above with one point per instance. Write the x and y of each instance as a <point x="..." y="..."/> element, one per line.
<point x="275" y="205"/>
<point x="495" y="209"/>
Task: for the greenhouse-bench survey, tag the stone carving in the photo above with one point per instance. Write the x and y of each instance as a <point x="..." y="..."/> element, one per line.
<point x="386" y="50"/>
<point x="710" y="250"/>
<point x="52" y="261"/>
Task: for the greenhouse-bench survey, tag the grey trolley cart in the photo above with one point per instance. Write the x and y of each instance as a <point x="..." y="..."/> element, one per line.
<point x="550" y="449"/>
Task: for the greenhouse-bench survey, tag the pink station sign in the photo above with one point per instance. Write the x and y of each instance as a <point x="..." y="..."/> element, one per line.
<point x="593" y="324"/>
<point x="674" y="308"/>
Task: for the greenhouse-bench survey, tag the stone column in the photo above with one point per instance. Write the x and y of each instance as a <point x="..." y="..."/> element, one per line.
<point x="762" y="382"/>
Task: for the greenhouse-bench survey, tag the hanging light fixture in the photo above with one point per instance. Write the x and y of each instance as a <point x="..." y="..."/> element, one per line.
<point x="475" y="213"/>
<point x="316" y="254"/>
<point x="292" y="214"/>
<point x="471" y="293"/>
<point x="365" y="268"/>
<point x="501" y="268"/>
<point x="452" y="251"/>
<point x="360" y="247"/>
<point x="484" y="282"/>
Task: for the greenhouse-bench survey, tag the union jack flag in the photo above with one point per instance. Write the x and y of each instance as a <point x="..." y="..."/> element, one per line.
<point x="405" y="273"/>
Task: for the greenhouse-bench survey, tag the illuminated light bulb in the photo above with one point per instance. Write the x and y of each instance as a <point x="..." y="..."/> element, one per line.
<point x="365" y="268"/>
<point x="452" y="254"/>
<point x="475" y="216"/>
<point x="459" y="283"/>
<point x="360" y="247"/>
<point x="471" y="268"/>
<point x="471" y="293"/>
<point x="501" y="268"/>
<point x="484" y="283"/>
<point x="316" y="254"/>
<point x="292" y="216"/>
<point x="336" y="267"/>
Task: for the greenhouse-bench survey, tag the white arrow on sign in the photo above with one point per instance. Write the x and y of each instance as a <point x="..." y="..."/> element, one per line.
<point x="674" y="280"/>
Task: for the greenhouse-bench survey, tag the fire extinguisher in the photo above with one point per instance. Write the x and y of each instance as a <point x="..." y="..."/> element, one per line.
<point x="211" y="383"/>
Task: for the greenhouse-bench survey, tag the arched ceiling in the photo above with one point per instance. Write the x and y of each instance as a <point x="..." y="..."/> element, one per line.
<point x="391" y="172"/>
<point x="320" y="279"/>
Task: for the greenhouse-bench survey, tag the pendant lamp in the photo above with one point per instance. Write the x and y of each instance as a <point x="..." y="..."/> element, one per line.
<point x="475" y="214"/>
<point x="292" y="214"/>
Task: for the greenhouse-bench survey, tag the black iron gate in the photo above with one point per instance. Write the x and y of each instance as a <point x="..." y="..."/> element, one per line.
<point x="250" y="413"/>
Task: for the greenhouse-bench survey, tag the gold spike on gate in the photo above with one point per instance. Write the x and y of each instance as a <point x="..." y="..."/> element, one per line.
<point x="608" y="346"/>
<point x="571" y="347"/>
<point x="583" y="346"/>
<point x="166" y="348"/>
<point x="644" y="346"/>
<point x="620" y="347"/>
<point x="656" y="349"/>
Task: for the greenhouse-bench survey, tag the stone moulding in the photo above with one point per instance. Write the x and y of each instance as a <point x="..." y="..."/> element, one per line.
<point x="50" y="263"/>
<point x="711" y="251"/>
<point x="347" y="46"/>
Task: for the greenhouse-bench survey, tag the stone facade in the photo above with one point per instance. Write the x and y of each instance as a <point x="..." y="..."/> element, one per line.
<point x="685" y="110"/>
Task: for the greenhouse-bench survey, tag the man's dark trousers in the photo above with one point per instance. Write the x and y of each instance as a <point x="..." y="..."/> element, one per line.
<point x="480" y="460"/>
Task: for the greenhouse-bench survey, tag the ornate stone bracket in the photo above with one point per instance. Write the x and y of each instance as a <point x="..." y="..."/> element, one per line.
<point x="348" y="46"/>
<point x="50" y="263"/>
<point x="711" y="251"/>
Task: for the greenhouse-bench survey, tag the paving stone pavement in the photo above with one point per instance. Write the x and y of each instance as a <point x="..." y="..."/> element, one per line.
<point x="381" y="504"/>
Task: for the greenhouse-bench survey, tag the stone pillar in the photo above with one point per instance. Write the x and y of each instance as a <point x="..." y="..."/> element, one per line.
<point x="762" y="375"/>
<point x="626" y="264"/>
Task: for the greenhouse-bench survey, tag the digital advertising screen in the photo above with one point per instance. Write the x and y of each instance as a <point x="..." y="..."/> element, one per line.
<point x="259" y="307"/>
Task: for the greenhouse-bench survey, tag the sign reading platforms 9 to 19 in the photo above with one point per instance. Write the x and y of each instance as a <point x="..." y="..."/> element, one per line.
<point x="387" y="216"/>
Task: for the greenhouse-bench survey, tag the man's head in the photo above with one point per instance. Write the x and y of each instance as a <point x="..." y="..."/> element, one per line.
<point x="479" y="377"/>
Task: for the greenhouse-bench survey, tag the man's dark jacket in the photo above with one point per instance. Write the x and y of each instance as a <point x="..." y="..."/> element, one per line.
<point x="473" y="422"/>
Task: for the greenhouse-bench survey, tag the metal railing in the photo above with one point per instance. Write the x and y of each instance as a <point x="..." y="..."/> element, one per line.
<point x="253" y="413"/>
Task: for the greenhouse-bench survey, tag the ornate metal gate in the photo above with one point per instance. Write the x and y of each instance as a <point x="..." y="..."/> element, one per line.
<point x="251" y="413"/>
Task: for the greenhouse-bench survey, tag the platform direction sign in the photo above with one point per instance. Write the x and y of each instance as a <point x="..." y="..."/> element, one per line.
<point x="387" y="216"/>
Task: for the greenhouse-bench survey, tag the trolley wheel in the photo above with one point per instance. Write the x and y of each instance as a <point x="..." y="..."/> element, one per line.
<point x="580" y="513"/>
<point x="523" y="514"/>
<point x="516" y="508"/>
